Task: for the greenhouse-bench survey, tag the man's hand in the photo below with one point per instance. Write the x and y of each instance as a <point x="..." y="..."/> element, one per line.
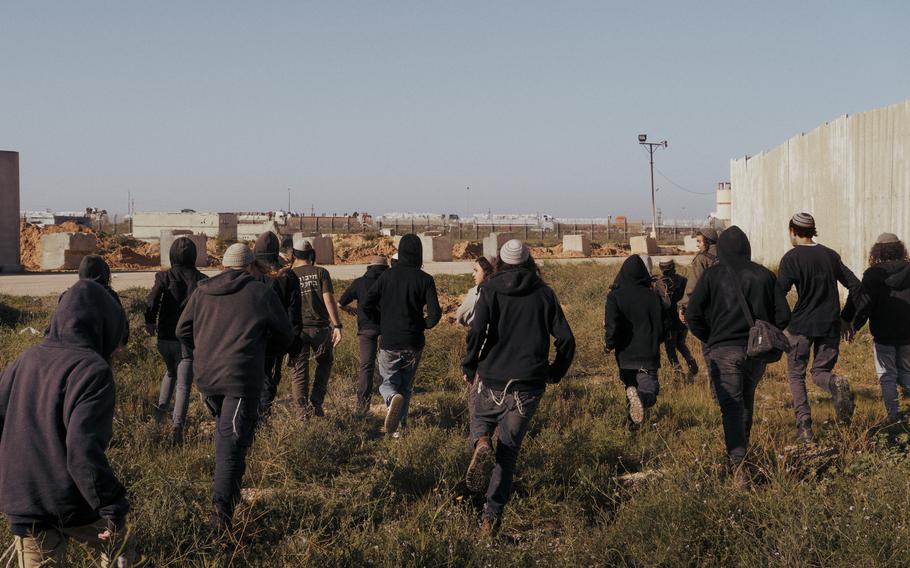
<point x="336" y="336"/>
<point x="682" y="316"/>
<point x="150" y="329"/>
<point x="466" y="379"/>
<point x="847" y="332"/>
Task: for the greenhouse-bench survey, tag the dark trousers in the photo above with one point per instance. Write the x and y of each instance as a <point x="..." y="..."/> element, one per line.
<point x="645" y="382"/>
<point x="735" y="377"/>
<point x="235" y="424"/>
<point x="511" y="412"/>
<point x="270" y="386"/>
<point x="676" y="342"/>
<point x="825" y="352"/>
<point x="369" y="345"/>
<point x="318" y="341"/>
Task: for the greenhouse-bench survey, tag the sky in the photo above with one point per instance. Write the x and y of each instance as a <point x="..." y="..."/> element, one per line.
<point x="401" y="106"/>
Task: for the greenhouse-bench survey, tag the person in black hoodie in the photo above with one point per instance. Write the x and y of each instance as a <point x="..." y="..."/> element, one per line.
<point x="816" y="327"/>
<point x="56" y="419"/>
<point x="165" y="303"/>
<point x="885" y="304"/>
<point x="634" y="327"/>
<point x="507" y="361"/>
<point x="94" y="268"/>
<point x="400" y="294"/>
<point x="267" y="269"/>
<point x="367" y="331"/>
<point x="715" y="317"/>
<point x="232" y="322"/>
<point x="674" y="285"/>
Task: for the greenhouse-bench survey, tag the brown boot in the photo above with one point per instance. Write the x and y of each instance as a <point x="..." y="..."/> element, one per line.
<point x="477" y="477"/>
<point x="742" y="476"/>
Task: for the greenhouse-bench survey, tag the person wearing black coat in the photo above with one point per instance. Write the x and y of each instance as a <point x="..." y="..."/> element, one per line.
<point x="634" y="328"/>
<point x="367" y="330"/>
<point x="674" y="285"/>
<point x="516" y="318"/>
<point x="267" y="269"/>
<point x="165" y="303"/>
<point x="56" y="420"/>
<point x="715" y="317"/>
<point x="93" y="267"/>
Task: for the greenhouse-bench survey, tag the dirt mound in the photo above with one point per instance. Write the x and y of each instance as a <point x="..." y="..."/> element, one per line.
<point x="214" y="252"/>
<point x="121" y="252"/>
<point x="554" y="252"/>
<point x="608" y="250"/>
<point x="467" y="250"/>
<point x="359" y="249"/>
<point x="142" y="255"/>
<point x="449" y="305"/>
<point x="30" y="240"/>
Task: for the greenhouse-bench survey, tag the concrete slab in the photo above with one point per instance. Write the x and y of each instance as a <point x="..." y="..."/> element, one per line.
<point x="493" y="242"/>
<point x="214" y="225"/>
<point x="325" y="248"/>
<point x="64" y="251"/>
<point x="169" y="236"/>
<point x="643" y="245"/>
<point x="436" y="248"/>
<point x="577" y="243"/>
<point x="9" y="212"/>
<point x="690" y="244"/>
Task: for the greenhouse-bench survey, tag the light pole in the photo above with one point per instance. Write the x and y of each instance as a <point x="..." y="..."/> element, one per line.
<point x="289" y="201"/>
<point x="652" y="147"/>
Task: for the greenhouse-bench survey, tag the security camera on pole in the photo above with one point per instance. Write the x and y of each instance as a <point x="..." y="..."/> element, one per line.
<point x="652" y="147"/>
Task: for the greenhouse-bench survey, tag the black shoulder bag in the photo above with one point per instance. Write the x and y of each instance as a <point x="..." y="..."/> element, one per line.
<point x="766" y="342"/>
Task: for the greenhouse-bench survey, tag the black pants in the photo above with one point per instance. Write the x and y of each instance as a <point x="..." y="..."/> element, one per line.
<point x="235" y="424"/>
<point x="369" y="344"/>
<point x="270" y="386"/>
<point x="735" y="378"/>
<point x="645" y="382"/>
<point x="317" y="340"/>
<point x="676" y="342"/>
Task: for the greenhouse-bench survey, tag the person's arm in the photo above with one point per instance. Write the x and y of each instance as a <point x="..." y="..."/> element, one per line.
<point x="184" y="329"/>
<point x="153" y="301"/>
<point x="373" y="296"/>
<point x="465" y="312"/>
<point x="282" y="334"/>
<point x="328" y="298"/>
<point x="6" y="386"/>
<point x="856" y="310"/>
<point x="88" y="419"/>
<point x="611" y="314"/>
<point x="786" y="276"/>
<point x="696" y="314"/>
<point x="349" y="295"/>
<point x="564" y="342"/>
<point x="695" y="271"/>
<point x="477" y="336"/>
<point x="434" y="312"/>
<point x="781" y="307"/>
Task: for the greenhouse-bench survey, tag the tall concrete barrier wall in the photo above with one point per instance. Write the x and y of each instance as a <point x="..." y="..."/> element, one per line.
<point x="213" y="225"/>
<point x="9" y="212"/>
<point x="852" y="174"/>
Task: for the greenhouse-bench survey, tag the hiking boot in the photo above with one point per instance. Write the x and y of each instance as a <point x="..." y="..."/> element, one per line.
<point x="477" y="477"/>
<point x="393" y="415"/>
<point x="742" y="476"/>
<point x="677" y="370"/>
<point x="318" y="411"/>
<point x="160" y="414"/>
<point x="636" y="409"/>
<point x="177" y="436"/>
<point x="693" y="369"/>
<point x="804" y="434"/>
<point x="489" y="524"/>
<point x="842" y="397"/>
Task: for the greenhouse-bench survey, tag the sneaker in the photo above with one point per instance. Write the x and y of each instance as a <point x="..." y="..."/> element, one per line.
<point x="489" y="524"/>
<point x="636" y="409"/>
<point x="477" y="477"/>
<point x="842" y="397"/>
<point x="742" y="476"/>
<point x="804" y="434"/>
<point x="393" y="415"/>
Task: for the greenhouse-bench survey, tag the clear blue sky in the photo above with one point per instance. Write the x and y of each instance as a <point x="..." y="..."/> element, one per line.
<point x="397" y="106"/>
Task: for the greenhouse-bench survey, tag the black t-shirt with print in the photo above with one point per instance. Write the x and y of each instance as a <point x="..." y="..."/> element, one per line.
<point x="314" y="282"/>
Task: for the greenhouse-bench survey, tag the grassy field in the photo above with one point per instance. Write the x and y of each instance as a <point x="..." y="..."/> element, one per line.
<point x="334" y="492"/>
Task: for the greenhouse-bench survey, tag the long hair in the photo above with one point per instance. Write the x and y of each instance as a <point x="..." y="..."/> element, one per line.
<point x="485" y="266"/>
<point x="886" y="252"/>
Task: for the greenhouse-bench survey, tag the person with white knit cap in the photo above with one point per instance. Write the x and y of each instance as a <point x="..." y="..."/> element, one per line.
<point x="815" y="270"/>
<point x="507" y="362"/>
<point x="230" y="322"/>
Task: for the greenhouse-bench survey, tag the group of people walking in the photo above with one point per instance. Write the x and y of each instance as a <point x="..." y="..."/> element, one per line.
<point x="230" y="333"/>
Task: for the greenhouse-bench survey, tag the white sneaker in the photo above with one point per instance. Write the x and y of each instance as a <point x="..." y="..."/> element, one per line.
<point x="636" y="409"/>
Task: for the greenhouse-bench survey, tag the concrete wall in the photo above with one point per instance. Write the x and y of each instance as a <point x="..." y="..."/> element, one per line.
<point x="851" y="174"/>
<point x="214" y="225"/>
<point x="9" y="212"/>
<point x="169" y="236"/>
<point x="251" y="231"/>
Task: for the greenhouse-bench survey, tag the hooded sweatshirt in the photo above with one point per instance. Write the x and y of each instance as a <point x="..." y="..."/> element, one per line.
<point x="93" y="267"/>
<point x="885" y="303"/>
<point x="173" y="289"/>
<point x="400" y="294"/>
<point x="285" y="284"/>
<point x="509" y="341"/>
<point x="815" y="270"/>
<point x="714" y="314"/>
<point x="358" y="291"/>
<point x="56" y="419"/>
<point x="634" y="318"/>
<point x="232" y="321"/>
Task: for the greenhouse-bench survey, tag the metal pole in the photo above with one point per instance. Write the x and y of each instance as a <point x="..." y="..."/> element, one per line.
<point x="653" y="196"/>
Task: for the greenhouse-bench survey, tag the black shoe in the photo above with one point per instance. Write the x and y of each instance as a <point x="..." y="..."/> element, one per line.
<point x="393" y="415"/>
<point x="477" y="477"/>
<point x="317" y="411"/>
<point x="160" y="414"/>
<point x="804" y="434"/>
<point x="842" y="397"/>
<point x="693" y="369"/>
<point x="177" y="436"/>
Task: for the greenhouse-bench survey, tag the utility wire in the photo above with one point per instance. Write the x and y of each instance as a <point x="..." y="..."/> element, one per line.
<point x="677" y="186"/>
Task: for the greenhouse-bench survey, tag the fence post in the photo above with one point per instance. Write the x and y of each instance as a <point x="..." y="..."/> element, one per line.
<point x="526" y="233"/>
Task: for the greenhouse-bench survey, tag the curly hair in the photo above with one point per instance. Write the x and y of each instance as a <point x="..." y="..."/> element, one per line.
<point x="886" y="252"/>
<point x="803" y="232"/>
<point x="485" y="266"/>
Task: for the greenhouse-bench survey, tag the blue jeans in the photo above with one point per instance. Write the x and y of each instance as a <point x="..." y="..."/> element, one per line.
<point x="398" y="368"/>
<point x="180" y="374"/>
<point x="509" y="413"/>
<point x="892" y="364"/>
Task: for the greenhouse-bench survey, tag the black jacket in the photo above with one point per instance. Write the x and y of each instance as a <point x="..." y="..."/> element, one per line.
<point x="714" y="314"/>
<point x="884" y="302"/>
<point x="634" y="318"/>
<point x="509" y="340"/>
<point x="94" y="267"/>
<point x="173" y="289"/>
<point x="357" y="291"/>
<point x="815" y="271"/>
<point x="232" y="321"/>
<point x="287" y="286"/>
<point x="400" y="295"/>
<point x="675" y="285"/>
<point x="56" y="419"/>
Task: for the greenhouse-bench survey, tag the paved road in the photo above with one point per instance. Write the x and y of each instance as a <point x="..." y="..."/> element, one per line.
<point x="44" y="284"/>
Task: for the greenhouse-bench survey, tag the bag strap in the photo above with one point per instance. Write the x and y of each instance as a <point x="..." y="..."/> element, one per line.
<point x="744" y="306"/>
